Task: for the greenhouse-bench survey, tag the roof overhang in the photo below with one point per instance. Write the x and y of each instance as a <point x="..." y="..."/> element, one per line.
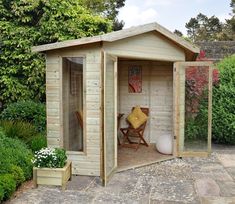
<point x="118" y="35"/>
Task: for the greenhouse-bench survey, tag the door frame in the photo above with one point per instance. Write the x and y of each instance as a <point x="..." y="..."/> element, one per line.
<point x="105" y="176"/>
<point x="177" y="113"/>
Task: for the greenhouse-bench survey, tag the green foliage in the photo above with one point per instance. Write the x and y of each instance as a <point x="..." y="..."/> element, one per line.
<point x="1" y="193"/>
<point x="17" y="174"/>
<point x="8" y="186"/>
<point x="196" y="128"/>
<point x="51" y="158"/>
<point x="18" y="129"/>
<point x="107" y="8"/>
<point x="27" y="23"/>
<point x="204" y="28"/>
<point x="178" y="32"/>
<point x="61" y="157"/>
<point x="191" y="129"/>
<point x="14" y="152"/>
<point x="28" y="111"/>
<point x="38" y="142"/>
<point x="223" y="122"/>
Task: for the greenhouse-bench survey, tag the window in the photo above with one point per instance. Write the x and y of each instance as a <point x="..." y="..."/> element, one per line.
<point x="72" y="81"/>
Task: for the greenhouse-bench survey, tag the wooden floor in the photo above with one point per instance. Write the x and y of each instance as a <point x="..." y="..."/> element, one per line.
<point x="130" y="158"/>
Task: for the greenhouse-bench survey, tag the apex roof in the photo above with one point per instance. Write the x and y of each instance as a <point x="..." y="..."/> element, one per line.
<point x="118" y="35"/>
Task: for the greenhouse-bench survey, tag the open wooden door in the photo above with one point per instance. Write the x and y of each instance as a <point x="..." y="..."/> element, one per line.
<point x="192" y="108"/>
<point x="109" y="155"/>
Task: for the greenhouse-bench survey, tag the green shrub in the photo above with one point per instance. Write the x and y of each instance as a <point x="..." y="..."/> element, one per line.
<point x="196" y="127"/>
<point x="191" y="129"/>
<point x="38" y="142"/>
<point x="17" y="174"/>
<point x="8" y="185"/>
<point x="1" y="193"/>
<point x="29" y="111"/>
<point x="19" y="129"/>
<point x="14" y="152"/>
<point x="223" y="108"/>
<point x="61" y="157"/>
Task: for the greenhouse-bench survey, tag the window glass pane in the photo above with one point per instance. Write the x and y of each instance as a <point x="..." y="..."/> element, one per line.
<point x="196" y="108"/>
<point x="73" y="103"/>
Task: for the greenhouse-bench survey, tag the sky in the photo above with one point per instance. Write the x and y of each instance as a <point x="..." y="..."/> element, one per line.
<point x="172" y="14"/>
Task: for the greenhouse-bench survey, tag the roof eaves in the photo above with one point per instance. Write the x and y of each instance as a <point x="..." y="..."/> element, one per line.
<point x="67" y="43"/>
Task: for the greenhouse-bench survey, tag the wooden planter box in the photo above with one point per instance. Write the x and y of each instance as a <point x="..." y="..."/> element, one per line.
<point x="53" y="176"/>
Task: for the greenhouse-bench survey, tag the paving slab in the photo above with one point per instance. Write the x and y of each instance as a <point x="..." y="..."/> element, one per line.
<point x="217" y="176"/>
<point x="178" y="190"/>
<point x="231" y="171"/>
<point x="207" y="187"/>
<point x="170" y="202"/>
<point x="227" y="160"/>
<point x="218" y="200"/>
<point x="227" y="188"/>
<point x="80" y="182"/>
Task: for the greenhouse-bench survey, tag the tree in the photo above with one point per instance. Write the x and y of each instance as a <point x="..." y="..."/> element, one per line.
<point x="33" y="22"/>
<point x="179" y="33"/>
<point x="203" y="28"/>
<point x="192" y="27"/>
<point x="106" y="8"/>
<point x="230" y="28"/>
<point x="232" y="4"/>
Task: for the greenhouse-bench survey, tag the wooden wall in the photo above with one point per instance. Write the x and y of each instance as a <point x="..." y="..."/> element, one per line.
<point x="157" y="94"/>
<point x="146" y="46"/>
<point x="87" y="162"/>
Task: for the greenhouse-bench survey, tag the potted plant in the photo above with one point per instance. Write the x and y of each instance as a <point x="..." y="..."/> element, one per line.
<point x="51" y="167"/>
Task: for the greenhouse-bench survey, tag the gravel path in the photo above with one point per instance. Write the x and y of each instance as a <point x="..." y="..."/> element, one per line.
<point x="189" y="180"/>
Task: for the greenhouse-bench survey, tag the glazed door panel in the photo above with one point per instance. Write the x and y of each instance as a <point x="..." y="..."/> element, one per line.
<point x="192" y="108"/>
<point x="109" y="117"/>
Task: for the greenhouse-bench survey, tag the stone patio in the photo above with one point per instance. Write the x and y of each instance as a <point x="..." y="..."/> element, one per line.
<point x="189" y="180"/>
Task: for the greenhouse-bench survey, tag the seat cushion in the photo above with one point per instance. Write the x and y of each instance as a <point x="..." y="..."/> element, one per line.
<point x="137" y="117"/>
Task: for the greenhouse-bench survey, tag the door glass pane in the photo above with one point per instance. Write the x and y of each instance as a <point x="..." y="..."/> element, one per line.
<point x="73" y="103"/>
<point x="109" y="117"/>
<point x="196" y="108"/>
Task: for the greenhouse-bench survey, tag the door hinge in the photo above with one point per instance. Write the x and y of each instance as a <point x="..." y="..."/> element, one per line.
<point x="174" y="137"/>
<point x="174" y="69"/>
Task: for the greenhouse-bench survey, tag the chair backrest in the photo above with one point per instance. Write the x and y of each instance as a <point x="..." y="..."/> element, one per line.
<point x="146" y="112"/>
<point x="79" y="117"/>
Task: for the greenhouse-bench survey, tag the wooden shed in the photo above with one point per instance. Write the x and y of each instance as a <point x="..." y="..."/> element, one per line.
<point x="91" y="77"/>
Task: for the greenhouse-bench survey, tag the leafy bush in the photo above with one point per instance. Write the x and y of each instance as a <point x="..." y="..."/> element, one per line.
<point x="14" y="152"/>
<point x="223" y="121"/>
<point x="1" y="193"/>
<point x="17" y="174"/>
<point x="51" y="158"/>
<point x="27" y="23"/>
<point x="196" y="128"/>
<point x="191" y="130"/>
<point x="38" y="142"/>
<point x="18" y="129"/>
<point x="28" y="111"/>
<point x="8" y="185"/>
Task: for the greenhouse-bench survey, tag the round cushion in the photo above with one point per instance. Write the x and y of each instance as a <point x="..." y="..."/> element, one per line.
<point x="164" y="144"/>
